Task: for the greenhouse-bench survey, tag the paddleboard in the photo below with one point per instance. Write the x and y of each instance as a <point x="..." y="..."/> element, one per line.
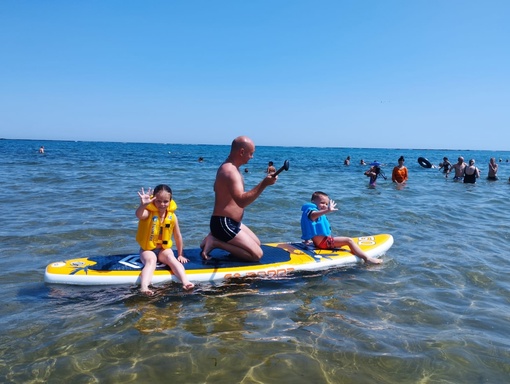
<point x="279" y="259"/>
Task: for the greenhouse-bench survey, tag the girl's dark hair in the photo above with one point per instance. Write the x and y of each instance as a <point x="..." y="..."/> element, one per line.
<point x="162" y="187"/>
<point x="401" y="158"/>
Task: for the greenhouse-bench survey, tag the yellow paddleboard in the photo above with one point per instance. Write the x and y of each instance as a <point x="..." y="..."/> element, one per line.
<point x="280" y="259"/>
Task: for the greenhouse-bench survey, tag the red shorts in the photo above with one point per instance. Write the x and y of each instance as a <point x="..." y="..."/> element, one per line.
<point x="328" y="242"/>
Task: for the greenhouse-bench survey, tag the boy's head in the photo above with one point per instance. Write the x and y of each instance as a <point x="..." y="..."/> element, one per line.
<point x="320" y="199"/>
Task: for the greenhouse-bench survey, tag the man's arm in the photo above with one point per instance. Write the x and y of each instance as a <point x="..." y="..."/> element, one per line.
<point x="242" y="198"/>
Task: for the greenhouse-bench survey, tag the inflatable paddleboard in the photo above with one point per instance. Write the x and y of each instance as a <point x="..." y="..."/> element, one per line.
<point x="279" y="259"/>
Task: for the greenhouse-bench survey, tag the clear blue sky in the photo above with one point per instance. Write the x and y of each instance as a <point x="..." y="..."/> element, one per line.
<point x="358" y="73"/>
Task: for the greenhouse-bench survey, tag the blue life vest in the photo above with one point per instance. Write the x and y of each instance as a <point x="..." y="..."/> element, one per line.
<point x="309" y="228"/>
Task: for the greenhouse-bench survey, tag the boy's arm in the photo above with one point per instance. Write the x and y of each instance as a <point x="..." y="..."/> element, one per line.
<point x="314" y="215"/>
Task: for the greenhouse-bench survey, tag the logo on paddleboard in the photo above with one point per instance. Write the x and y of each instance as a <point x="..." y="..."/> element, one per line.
<point x="77" y="264"/>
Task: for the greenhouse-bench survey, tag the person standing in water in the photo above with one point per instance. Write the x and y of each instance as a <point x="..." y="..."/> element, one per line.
<point x="374" y="172"/>
<point x="445" y="166"/>
<point x="471" y="172"/>
<point x="458" y="167"/>
<point x="399" y="174"/>
<point x="270" y="168"/>
<point x="493" y="169"/>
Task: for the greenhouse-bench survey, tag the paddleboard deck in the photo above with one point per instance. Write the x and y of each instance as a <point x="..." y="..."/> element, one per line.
<point x="279" y="259"/>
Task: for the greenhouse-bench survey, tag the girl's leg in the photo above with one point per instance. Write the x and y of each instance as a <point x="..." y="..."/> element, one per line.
<point x="167" y="257"/>
<point x="149" y="260"/>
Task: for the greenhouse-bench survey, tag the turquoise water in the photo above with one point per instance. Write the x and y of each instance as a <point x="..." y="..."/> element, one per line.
<point x="436" y="311"/>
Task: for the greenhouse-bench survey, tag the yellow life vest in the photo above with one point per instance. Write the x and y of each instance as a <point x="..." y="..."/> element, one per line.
<point x="152" y="233"/>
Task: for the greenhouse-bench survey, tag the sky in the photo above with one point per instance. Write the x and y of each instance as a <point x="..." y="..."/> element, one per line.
<point x="431" y="74"/>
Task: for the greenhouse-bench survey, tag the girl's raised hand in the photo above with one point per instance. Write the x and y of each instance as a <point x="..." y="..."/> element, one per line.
<point x="145" y="198"/>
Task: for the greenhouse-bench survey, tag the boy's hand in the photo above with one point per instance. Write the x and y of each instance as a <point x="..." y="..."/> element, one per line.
<point x="332" y="206"/>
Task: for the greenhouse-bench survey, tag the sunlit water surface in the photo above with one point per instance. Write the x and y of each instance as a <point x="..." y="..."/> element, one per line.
<point x="436" y="311"/>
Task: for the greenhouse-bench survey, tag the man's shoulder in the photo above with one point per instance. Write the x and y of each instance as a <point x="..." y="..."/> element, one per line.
<point x="228" y="171"/>
<point x="227" y="167"/>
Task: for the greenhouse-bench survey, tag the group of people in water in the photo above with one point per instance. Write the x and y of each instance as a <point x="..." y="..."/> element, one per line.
<point x="158" y="223"/>
<point x="466" y="172"/>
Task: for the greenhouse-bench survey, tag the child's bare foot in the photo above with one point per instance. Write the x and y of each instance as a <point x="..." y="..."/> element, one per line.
<point x="374" y="261"/>
<point x="188" y="285"/>
<point x="146" y="291"/>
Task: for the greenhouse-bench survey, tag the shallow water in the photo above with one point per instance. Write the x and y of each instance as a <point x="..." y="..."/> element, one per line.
<point x="436" y="311"/>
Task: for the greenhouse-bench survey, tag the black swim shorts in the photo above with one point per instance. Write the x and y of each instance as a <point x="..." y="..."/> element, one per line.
<point x="224" y="228"/>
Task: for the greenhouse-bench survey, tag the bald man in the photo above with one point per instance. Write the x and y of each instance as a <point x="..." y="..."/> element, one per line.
<point x="458" y="167"/>
<point x="227" y="230"/>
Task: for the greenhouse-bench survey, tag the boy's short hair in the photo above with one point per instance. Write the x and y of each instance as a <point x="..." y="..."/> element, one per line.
<point x="317" y="194"/>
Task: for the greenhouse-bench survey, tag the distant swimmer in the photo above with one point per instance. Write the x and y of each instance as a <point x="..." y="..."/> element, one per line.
<point x="41" y="150"/>
<point x="471" y="172"/>
<point x="458" y="167"/>
<point x="374" y="172"/>
<point x="493" y="169"/>
<point x="400" y="174"/>
<point x="270" y="168"/>
<point x="446" y="166"/>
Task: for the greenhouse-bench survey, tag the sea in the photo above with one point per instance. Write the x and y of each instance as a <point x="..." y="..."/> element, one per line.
<point x="436" y="311"/>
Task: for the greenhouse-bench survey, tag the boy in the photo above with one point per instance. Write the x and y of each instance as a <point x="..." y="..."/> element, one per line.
<point x="315" y="226"/>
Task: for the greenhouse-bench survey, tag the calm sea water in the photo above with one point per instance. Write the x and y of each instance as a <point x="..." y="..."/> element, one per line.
<point x="436" y="311"/>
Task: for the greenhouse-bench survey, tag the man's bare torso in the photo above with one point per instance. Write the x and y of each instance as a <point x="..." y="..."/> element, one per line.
<point x="229" y="183"/>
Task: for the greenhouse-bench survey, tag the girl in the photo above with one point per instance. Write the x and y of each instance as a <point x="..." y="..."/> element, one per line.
<point x="399" y="174"/>
<point x="155" y="229"/>
<point x="374" y="172"/>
